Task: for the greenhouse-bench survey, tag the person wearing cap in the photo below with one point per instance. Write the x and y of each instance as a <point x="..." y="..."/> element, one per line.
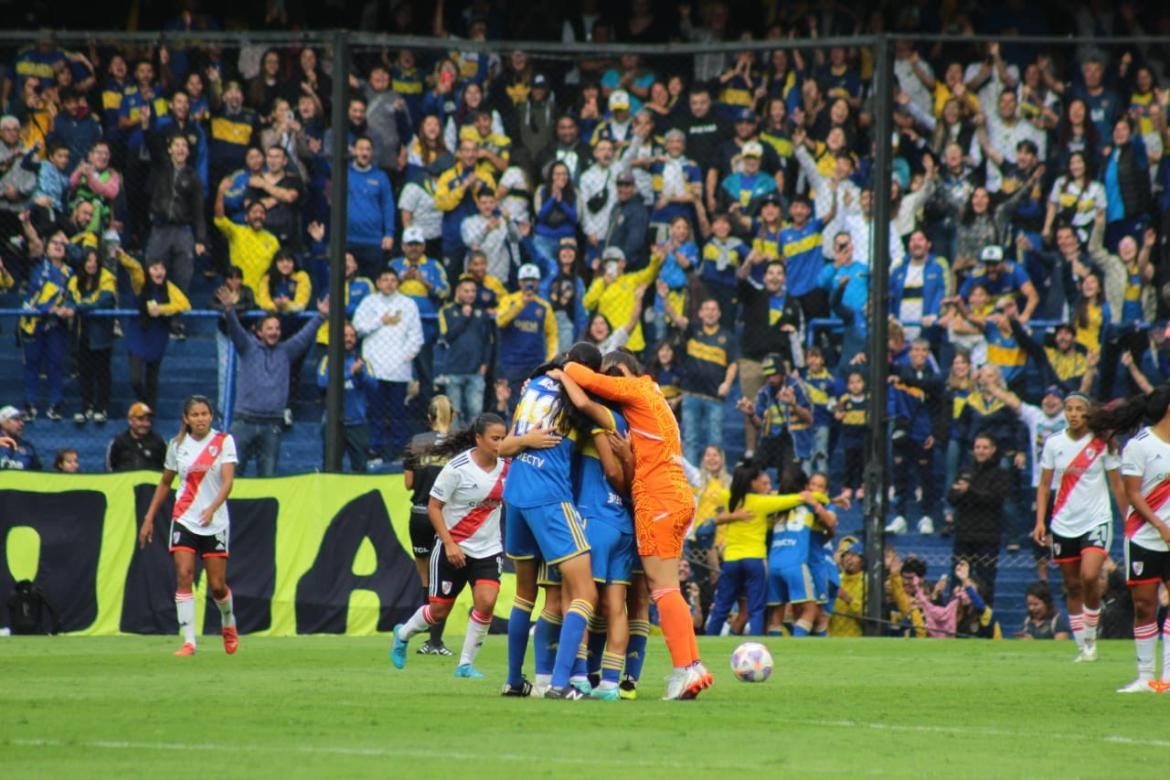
<point x="527" y="331"/>
<point x="730" y="158"/>
<point x="618" y="127"/>
<point x="17" y="453"/>
<point x="629" y="222"/>
<point x="424" y="280"/>
<point x="532" y="120"/>
<point x="491" y="232"/>
<point x="139" y="447"/>
<point x="598" y="190"/>
<point x="765" y="229"/>
<point x="233" y="129"/>
<point x="780" y="410"/>
<point x="741" y="191"/>
<point x="1003" y="279"/>
<point x="611" y="294"/>
<point x="455" y="193"/>
<point x="678" y="184"/>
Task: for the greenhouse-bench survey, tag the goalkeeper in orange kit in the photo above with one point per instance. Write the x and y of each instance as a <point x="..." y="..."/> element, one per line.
<point x="663" y="506"/>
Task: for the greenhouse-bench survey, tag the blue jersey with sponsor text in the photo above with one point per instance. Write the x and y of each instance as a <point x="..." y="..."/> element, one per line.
<point x="540" y="477"/>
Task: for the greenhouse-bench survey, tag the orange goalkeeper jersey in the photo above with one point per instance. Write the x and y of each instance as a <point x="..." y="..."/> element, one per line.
<point x="660" y="487"/>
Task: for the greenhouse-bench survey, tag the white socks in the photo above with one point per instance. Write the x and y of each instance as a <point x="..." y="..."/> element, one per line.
<point x="1145" y="639"/>
<point x="419" y="622"/>
<point x="477" y="628"/>
<point x="1092" y="619"/>
<point x="227" y="614"/>
<point x="185" y="608"/>
<point x="1077" y="623"/>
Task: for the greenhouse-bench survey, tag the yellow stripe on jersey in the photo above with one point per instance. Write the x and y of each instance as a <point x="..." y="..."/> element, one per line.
<point x="224" y="129"/>
<point x="810" y="241"/>
<point x="707" y="352"/>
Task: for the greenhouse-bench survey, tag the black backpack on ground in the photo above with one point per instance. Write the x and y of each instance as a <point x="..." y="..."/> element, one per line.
<point x="28" y="607"/>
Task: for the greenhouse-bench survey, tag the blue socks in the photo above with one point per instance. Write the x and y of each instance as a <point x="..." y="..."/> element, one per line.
<point x="545" y="641"/>
<point x="518" y="623"/>
<point x="572" y="632"/>
<point x="596" y="643"/>
<point x="636" y="649"/>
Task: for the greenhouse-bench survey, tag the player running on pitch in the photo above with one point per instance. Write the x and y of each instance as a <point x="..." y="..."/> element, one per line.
<point x="663" y="507"/>
<point x="465" y="512"/>
<point x="1080" y="466"/>
<point x="1145" y="471"/>
<point x="205" y="460"/>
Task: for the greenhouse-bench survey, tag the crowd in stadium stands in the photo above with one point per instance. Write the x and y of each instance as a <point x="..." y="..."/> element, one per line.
<point x="700" y="211"/>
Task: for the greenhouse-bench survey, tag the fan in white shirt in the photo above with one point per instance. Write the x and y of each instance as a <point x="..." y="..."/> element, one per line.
<point x="205" y="461"/>
<point x="391" y="329"/>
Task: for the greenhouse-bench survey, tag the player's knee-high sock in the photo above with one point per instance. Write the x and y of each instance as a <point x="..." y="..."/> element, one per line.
<point x="596" y="643"/>
<point x="544" y="645"/>
<point x="580" y="671"/>
<point x="611" y="669"/>
<point x="572" y="632"/>
<point x="477" y="628"/>
<point x="1076" y="622"/>
<point x="678" y="628"/>
<point x="227" y="616"/>
<point x="636" y="649"/>
<point x="185" y="607"/>
<point x="420" y="621"/>
<point x="1092" y="619"/>
<point x="1145" y="640"/>
<point x="518" y="623"/>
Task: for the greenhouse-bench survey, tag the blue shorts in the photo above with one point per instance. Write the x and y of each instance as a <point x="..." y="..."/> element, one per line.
<point x="611" y="553"/>
<point x="552" y="532"/>
<point x="820" y="580"/>
<point x="791" y="585"/>
<point x="548" y="575"/>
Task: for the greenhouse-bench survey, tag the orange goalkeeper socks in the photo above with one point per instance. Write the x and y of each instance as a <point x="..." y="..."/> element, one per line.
<point x="677" y="627"/>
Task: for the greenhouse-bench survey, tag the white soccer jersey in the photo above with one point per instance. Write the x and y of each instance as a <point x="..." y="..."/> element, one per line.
<point x="1148" y="457"/>
<point x="199" y="464"/>
<point x="1079" y="484"/>
<point x="472" y="498"/>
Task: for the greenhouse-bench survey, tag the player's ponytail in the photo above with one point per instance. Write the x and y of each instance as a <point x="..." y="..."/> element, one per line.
<point x="741" y="483"/>
<point x="440" y="413"/>
<point x="462" y="440"/>
<point x="1125" y="416"/>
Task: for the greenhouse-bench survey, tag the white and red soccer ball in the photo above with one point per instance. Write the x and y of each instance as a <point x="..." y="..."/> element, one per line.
<point x="751" y="662"/>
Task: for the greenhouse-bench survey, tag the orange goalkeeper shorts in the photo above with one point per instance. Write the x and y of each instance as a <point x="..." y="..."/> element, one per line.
<point x="662" y="535"/>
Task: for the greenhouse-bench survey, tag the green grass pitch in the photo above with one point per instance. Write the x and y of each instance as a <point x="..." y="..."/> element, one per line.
<point x="335" y="707"/>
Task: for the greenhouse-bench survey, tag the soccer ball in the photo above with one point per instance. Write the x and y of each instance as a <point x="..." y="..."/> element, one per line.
<point x="751" y="662"/>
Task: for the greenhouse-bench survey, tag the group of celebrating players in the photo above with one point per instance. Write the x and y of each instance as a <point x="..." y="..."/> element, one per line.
<point x="598" y="508"/>
<point x="591" y="471"/>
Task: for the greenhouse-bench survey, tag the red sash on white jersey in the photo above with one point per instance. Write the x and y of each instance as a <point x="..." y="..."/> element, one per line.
<point x="1155" y="498"/>
<point x="474" y="520"/>
<point x="195" y="475"/>
<point x="1075" y="470"/>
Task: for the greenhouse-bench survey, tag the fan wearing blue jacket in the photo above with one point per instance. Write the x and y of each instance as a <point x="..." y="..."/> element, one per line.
<point x="369" y="210"/>
<point x="918" y="286"/>
<point x="915" y="385"/>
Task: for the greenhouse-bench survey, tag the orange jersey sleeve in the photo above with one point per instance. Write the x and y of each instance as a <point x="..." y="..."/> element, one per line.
<point x="659" y="486"/>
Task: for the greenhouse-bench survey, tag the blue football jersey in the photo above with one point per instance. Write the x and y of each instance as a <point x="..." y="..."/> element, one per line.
<point x="539" y="477"/>
<point x="791" y="537"/>
<point x="596" y="498"/>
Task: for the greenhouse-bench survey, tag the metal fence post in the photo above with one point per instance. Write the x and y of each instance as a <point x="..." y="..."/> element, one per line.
<point x="339" y="158"/>
<point x="876" y="441"/>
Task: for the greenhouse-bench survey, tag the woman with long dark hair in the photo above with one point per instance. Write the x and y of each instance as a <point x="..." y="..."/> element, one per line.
<point x="1075" y="519"/>
<point x="464" y="510"/>
<point x="1147" y="527"/>
<point x="147" y="336"/>
<point x="205" y="461"/>
<point x="1075" y="199"/>
<point x="555" y="205"/>
<point x="419" y="470"/>
<point x="93" y="287"/>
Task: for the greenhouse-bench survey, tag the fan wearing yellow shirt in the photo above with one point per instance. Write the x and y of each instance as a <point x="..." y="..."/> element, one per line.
<point x="612" y="292"/>
<point x="250" y="246"/>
